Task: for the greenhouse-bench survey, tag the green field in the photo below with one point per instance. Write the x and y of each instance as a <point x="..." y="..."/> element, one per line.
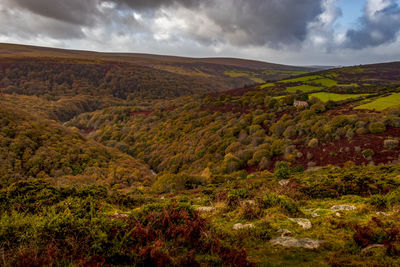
<point x="304" y="88"/>
<point x="279" y="97"/>
<point x="382" y="103"/>
<point x="250" y="75"/>
<point x="302" y="79"/>
<point x="267" y="85"/>
<point x="325" y="97"/>
<point x="325" y="82"/>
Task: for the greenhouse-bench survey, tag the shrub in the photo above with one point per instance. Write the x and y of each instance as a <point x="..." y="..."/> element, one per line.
<point x="282" y="170"/>
<point x="318" y="108"/>
<point x="368" y="153"/>
<point x="284" y="202"/>
<point x="313" y="143"/>
<point x="376" y="127"/>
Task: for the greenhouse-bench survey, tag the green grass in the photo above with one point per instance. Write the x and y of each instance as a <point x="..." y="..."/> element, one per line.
<point x="267" y="85"/>
<point x="382" y="103"/>
<point x="250" y="75"/>
<point x="302" y="79"/>
<point x="236" y="74"/>
<point x="325" y="97"/>
<point x="325" y="82"/>
<point x="279" y="97"/>
<point x="256" y="79"/>
<point x="304" y="88"/>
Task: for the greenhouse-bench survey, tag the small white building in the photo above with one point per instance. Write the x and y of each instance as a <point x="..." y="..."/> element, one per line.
<point x="300" y="104"/>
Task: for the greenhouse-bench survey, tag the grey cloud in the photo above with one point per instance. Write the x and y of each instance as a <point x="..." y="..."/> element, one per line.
<point x="380" y="28"/>
<point x="154" y="4"/>
<point x="78" y="12"/>
<point x="272" y="22"/>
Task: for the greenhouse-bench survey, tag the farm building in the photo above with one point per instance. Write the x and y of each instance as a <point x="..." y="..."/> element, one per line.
<point x="300" y="104"/>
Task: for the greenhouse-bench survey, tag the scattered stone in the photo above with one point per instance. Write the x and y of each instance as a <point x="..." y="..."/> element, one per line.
<point x="249" y="202"/>
<point x="119" y="216"/>
<point x="205" y="209"/>
<point x="163" y="198"/>
<point x="284" y="182"/>
<point x="294" y="242"/>
<point x="372" y="246"/>
<point x="314" y="213"/>
<point x="284" y="232"/>
<point x="343" y="208"/>
<point x="382" y="213"/>
<point x="337" y="214"/>
<point x="240" y="226"/>
<point x="311" y="164"/>
<point x="305" y="223"/>
<point x="390" y="143"/>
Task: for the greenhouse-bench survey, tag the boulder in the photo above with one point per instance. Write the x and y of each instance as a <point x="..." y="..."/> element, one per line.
<point x="284" y="182"/>
<point x="240" y="226"/>
<point x="305" y="223"/>
<point x="205" y="209"/>
<point x="297" y="243"/>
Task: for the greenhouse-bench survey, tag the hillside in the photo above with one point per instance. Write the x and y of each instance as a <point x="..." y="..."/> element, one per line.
<point x="31" y="147"/>
<point x="55" y="72"/>
<point x="238" y="177"/>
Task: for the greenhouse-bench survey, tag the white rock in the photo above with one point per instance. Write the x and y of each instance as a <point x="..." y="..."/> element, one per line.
<point x="372" y="246"/>
<point x="284" y="182"/>
<point x="338" y="214"/>
<point x="305" y="223"/>
<point x="315" y="215"/>
<point x="205" y="209"/>
<point x="119" y="216"/>
<point x="343" y="207"/>
<point x="294" y="242"/>
<point x="240" y="226"/>
<point x="249" y="202"/>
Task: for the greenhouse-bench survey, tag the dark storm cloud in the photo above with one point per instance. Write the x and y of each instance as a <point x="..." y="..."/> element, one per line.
<point x="377" y="28"/>
<point x="79" y="12"/>
<point x="154" y="4"/>
<point x="271" y="22"/>
<point x="242" y="22"/>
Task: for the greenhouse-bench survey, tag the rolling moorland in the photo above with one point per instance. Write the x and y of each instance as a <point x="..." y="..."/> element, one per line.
<point x="145" y="160"/>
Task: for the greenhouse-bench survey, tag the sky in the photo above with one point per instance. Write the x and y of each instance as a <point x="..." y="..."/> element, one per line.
<point x="296" y="32"/>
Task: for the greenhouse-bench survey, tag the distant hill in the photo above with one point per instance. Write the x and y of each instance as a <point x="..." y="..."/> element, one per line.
<point x="35" y="70"/>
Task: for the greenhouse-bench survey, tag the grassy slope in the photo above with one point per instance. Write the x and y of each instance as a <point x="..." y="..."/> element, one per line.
<point x="35" y="147"/>
<point x="325" y="97"/>
<point x="382" y="103"/>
